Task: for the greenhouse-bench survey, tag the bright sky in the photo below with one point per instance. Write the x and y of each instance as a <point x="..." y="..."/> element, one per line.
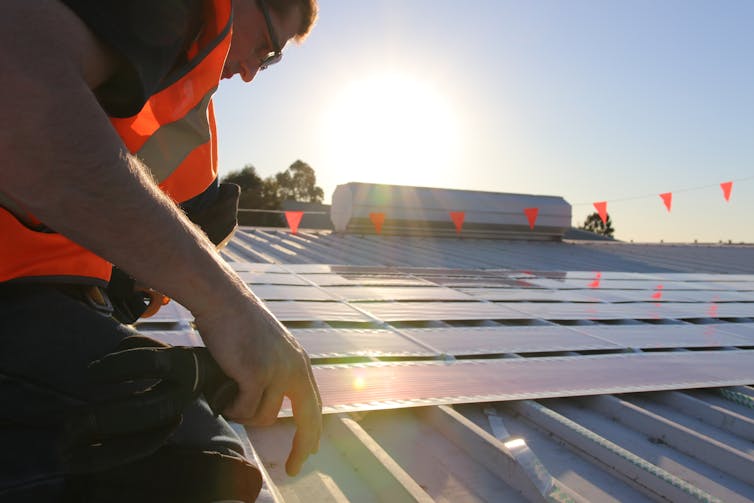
<point x="591" y="100"/>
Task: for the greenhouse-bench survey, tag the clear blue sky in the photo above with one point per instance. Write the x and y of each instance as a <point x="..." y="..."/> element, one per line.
<point x="591" y="100"/>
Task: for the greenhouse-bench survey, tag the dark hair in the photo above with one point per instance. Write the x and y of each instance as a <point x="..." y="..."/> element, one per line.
<point x="308" y="8"/>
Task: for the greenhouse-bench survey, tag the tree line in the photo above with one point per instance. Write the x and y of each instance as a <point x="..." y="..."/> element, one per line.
<point x="298" y="183"/>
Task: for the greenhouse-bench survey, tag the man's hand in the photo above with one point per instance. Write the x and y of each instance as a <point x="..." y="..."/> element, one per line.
<point x="256" y="350"/>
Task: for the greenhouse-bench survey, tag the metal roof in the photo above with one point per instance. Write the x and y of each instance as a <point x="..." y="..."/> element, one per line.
<point x="324" y="247"/>
<point x="458" y="369"/>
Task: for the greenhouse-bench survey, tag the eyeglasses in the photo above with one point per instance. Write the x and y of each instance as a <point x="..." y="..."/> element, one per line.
<point x="277" y="52"/>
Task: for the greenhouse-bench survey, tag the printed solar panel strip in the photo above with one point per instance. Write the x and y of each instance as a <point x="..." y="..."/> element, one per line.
<point x="741" y="286"/>
<point x="459" y="341"/>
<point x="381" y="386"/>
<point x="455" y="271"/>
<point x="362" y="293"/>
<point x="542" y="295"/>
<point x="265" y="278"/>
<point x="478" y="281"/>
<point x="256" y="267"/>
<point x="710" y="310"/>
<point x="632" y="310"/>
<point x="315" y="311"/>
<point x="290" y="292"/>
<point x="386" y="279"/>
<point x="743" y="329"/>
<point x="309" y="268"/>
<point x="695" y="276"/>
<point x="598" y="282"/>
<point x="427" y="311"/>
<point x="662" y="295"/>
<point x="668" y="336"/>
<point x="590" y="275"/>
<point x="708" y="296"/>
<point x="593" y="311"/>
<point x="333" y="342"/>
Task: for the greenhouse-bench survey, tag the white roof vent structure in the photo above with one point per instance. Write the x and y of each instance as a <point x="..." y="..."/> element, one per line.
<point x="363" y="208"/>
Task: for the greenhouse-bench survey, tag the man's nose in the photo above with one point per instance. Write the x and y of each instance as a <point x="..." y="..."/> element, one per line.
<point x="248" y="73"/>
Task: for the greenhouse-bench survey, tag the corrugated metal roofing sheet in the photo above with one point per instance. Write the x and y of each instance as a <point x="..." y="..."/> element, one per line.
<point x="498" y="329"/>
<point x="324" y="247"/>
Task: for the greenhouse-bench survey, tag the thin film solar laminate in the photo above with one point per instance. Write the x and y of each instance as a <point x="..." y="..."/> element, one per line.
<point x="315" y="311"/>
<point x="621" y="284"/>
<point x="428" y="311"/>
<point x="479" y="281"/>
<point x="743" y="329"/>
<point x="290" y="292"/>
<point x="310" y="268"/>
<point x="459" y="341"/>
<point x="739" y="286"/>
<point x="592" y="311"/>
<point x="332" y="342"/>
<point x="707" y="296"/>
<point x="647" y="336"/>
<point x="362" y="293"/>
<point x="338" y="279"/>
<point x="542" y="295"/>
<point x="265" y="278"/>
<point x="711" y="310"/>
<point x="658" y="295"/>
<point x="257" y="267"/>
<point x="381" y="386"/>
<point x="590" y="275"/>
<point x="695" y="276"/>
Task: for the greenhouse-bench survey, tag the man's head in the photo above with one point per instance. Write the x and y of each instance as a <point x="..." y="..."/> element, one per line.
<point x="261" y="28"/>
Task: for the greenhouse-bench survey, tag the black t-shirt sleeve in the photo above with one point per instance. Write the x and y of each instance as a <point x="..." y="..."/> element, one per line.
<point x="149" y="36"/>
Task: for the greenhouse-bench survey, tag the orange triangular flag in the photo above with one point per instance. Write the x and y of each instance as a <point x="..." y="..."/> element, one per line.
<point x="377" y="220"/>
<point x="531" y="214"/>
<point x="727" y="187"/>
<point x="596" y="282"/>
<point x="601" y="208"/>
<point x="667" y="198"/>
<point x="458" y="217"/>
<point x="293" y="218"/>
<point x="657" y="295"/>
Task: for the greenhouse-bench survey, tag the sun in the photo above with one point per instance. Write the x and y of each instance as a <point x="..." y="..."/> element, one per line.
<point x="391" y="128"/>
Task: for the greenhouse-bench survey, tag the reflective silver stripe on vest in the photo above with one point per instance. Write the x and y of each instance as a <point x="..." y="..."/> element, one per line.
<point x="166" y="149"/>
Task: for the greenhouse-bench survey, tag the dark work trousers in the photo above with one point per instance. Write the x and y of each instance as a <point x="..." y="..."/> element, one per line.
<point x="47" y="339"/>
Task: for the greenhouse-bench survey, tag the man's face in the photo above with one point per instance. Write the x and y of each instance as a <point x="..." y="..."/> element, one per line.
<point x="252" y="40"/>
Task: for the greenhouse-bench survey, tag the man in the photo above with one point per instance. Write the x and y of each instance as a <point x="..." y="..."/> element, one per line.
<point x="89" y="90"/>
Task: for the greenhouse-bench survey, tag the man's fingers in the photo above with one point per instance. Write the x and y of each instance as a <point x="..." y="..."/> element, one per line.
<point x="307" y="413"/>
<point x="245" y="405"/>
<point x="269" y="407"/>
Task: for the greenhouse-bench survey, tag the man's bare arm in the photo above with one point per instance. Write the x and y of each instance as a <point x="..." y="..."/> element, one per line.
<point x="63" y="162"/>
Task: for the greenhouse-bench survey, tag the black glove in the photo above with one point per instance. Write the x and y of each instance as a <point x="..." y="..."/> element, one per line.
<point x="136" y="425"/>
<point x="219" y="219"/>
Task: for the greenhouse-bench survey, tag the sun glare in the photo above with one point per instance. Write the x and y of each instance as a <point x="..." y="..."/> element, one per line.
<point x="391" y="129"/>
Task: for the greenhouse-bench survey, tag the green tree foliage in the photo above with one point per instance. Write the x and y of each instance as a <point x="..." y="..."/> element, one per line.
<point x="255" y="192"/>
<point x="593" y="223"/>
<point x="298" y="182"/>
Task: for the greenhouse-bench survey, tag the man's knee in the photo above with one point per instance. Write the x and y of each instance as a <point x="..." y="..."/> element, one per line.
<point x="171" y="474"/>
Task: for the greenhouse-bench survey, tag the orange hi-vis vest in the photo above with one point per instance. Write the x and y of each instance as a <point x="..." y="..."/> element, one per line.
<point x="174" y="134"/>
